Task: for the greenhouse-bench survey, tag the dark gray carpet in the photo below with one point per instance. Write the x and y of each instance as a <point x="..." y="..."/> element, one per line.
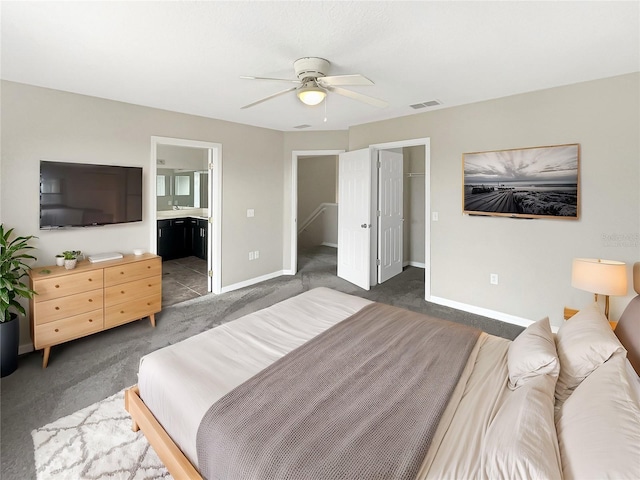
<point x="87" y="370"/>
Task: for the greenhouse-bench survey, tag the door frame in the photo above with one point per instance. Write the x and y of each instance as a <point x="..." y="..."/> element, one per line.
<point x="375" y="148"/>
<point x="293" y="221"/>
<point x="214" y="240"/>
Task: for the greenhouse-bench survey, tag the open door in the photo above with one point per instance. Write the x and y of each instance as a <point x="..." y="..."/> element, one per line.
<point x="354" y="217"/>
<point x="390" y="217"/>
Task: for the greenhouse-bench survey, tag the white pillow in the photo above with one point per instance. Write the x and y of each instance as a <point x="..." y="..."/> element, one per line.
<point x="532" y="353"/>
<point x="584" y="342"/>
<point x="599" y="426"/>
<point x="521" y="441"/>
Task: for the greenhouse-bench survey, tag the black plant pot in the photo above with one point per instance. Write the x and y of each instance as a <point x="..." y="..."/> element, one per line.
<point x="9" y="339"/>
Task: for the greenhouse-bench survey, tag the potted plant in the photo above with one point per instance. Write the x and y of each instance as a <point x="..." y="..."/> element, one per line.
<point x="60" y="260"/>
<point x="12" y="269"/>
<point x="71" y="258"/>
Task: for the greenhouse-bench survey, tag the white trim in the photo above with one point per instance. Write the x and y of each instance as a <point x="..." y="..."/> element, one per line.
<point x="327" y="244"/>
<point x="414" y="264"/>
<point x="253" y="281"/>
<point x="426" y="141"/>
<point x="293" y="219"/>
<point x="215" y="205"/>
<point x="485" y="312"/>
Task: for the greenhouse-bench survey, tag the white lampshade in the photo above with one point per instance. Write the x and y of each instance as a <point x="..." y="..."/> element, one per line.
<point x="604" y="277"/>
<point x="311" y="95"/>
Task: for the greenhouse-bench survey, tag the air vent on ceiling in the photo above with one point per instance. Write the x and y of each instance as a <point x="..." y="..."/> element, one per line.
<point x="430" y="103"/>
<point x="304" y="125"/>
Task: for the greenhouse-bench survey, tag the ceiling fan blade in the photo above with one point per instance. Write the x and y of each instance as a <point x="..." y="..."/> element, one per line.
<point x="376" y="102"/>
<point x="269" y="78"/>
<point x="270" y="97"/>
<point x="355" y="79"/>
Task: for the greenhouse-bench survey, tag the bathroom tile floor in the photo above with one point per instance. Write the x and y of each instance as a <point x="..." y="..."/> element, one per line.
<point x="183" y="279"/>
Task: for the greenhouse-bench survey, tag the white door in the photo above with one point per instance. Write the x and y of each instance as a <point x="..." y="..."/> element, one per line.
<point x="390" y="220"/>
<point x="354" y="217"/>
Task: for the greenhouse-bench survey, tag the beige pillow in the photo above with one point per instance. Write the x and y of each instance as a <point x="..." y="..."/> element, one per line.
<point x="521" y="441"/>
<point x="532" y="353"/>
<point x="599" y="426"/>
<point x="584" y="342"/>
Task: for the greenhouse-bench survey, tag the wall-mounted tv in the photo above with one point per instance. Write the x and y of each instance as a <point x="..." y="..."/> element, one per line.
<point x="82" y="195"/>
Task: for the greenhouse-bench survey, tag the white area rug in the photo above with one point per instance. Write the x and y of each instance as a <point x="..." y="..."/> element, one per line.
<point x="95" y="443"/>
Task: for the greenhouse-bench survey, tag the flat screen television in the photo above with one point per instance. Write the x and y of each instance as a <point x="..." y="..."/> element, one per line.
<point x="82" y="195"/>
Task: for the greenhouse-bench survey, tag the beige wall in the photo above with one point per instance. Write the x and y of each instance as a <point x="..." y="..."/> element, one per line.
<point x="532" y="257"/>
<point x="39" y="123"/>
<point x="414" y="205"/>
<point x="316" y="183"/>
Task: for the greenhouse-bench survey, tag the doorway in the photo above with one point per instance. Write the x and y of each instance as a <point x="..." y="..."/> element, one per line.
<point x="359" y="214"/>
<point x="312" y="214"/>
<point x="187" y="185"/>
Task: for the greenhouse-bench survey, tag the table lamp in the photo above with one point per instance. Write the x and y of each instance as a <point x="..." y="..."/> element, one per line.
<point x="604" y="277"/>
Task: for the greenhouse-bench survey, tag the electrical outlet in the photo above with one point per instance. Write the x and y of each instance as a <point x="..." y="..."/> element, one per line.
<point x="250" y="212"/>
<point x="493" y="279"/>
<point x="251" y="256"/>
<point x="434" y="216"/>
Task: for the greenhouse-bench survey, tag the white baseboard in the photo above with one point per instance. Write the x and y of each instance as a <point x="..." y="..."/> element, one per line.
<point x="413" y="264"/>
<point x="327" y="244"/>
<point x="485" y="312"/>
<point x="252" y="281"/>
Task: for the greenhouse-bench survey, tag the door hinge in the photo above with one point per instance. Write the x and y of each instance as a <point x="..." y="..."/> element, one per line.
<point x="210" y="273"/>
<point x="378" y="262"/>
<point x="379" y="164"/>
<point x="210" y="219"/>
<point x="210" y="165"/>
<point x="378" y="213"/>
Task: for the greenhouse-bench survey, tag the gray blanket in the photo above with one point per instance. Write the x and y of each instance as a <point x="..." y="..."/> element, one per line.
<point x="360" y="401"/>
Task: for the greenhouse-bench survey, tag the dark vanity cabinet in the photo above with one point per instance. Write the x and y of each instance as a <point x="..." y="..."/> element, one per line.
<point x="199" y="229"/>
<point x="182" y="237"/>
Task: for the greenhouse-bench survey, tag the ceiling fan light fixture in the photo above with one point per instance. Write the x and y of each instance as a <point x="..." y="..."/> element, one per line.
<point x="311" y="95"/>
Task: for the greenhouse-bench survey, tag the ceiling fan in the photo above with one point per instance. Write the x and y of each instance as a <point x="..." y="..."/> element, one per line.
<point x="313" y="83"/>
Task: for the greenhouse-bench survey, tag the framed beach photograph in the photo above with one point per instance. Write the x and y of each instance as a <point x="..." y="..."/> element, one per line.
<point x="535" y="182"/>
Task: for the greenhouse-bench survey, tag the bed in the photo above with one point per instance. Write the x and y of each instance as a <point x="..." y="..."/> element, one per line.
<point x="520" y="409"/>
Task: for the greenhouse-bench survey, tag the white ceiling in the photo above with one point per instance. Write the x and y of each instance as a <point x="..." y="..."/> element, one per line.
<point x="188" y="56"/>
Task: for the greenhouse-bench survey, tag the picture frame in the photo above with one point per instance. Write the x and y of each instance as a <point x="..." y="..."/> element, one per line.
<point x="532" y="182"/>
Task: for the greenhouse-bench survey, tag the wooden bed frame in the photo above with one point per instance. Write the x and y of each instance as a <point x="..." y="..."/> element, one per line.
<point x="178" y="465"/>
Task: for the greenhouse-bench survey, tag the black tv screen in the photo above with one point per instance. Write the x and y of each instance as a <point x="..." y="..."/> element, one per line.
<point x="81" y="194"/>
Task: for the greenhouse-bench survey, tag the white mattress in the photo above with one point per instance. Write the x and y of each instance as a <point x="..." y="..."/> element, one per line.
<point x="180" y="382"/>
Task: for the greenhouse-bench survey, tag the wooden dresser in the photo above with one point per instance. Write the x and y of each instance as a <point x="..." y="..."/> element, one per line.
<point x="92" y="297"/>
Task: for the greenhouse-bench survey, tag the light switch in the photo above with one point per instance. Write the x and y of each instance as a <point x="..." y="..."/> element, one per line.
<point x="250" y="212"/>
<point x="434" y="216"/>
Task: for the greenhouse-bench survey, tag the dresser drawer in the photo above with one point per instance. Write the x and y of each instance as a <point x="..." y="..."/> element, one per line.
<point x="64" y="285"/>
<point x="60" y="331"/>
<point x="52" y="310"/>
<point x="130" y="291"/>
<point x="132" y="271"/>
<point x="126" y="312"/>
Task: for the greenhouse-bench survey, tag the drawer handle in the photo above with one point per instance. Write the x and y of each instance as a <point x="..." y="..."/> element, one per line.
<point x="121" y="273"/>
<point x="149" y="303"/>
<point x="90" y="300"/>
<point x="57" y="308"/>
<point x="148" y="266"/>
<point x="91" y="279"/>
<point x="56" y="330"/>
<point x="57" y="286"/>
<point x="90" y="320"/>
<point x="150" y="285"/>
<point x="121" y="311"/>
<point x="122" y="292"/>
